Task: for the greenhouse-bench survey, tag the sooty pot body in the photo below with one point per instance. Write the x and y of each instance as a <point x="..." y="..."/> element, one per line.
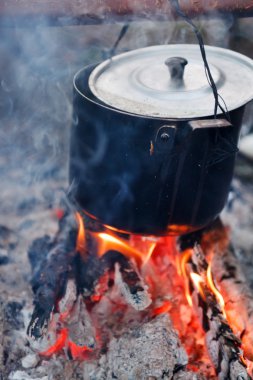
<point x="147" y="175"/>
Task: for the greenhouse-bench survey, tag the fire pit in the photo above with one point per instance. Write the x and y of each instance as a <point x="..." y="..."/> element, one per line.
<point x="114" y="305"/>
<point x="121" y="294"/>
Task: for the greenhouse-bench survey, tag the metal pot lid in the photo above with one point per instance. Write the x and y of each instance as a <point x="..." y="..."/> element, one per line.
<point x="169" y="81"/>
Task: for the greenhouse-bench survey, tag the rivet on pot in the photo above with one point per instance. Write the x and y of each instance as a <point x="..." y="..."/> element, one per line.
<point x="165" y="136"/>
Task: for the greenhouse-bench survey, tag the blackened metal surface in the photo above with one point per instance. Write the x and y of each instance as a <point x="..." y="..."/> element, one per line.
<point x="144" y="175"/>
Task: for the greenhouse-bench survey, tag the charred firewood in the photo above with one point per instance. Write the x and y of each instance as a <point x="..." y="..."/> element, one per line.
<point x="55" y="261"/>
<point x="51" y="268"/>
<point x="232" y="283"/>
<point x="127" y="279"/>
<point x="223" y="346"/>
<point x="132" y="286"/>
<point x="126" y="276"/>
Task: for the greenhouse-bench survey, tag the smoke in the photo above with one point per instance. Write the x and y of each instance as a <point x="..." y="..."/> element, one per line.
<point x="36" y="70"/>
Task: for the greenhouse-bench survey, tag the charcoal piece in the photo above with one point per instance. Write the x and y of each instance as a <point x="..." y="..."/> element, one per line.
<point x="189" y="240"/>
<point x="37" y="253"/>
<point x="132" y="286"/>
<point x="50" y="277"/>
<point x="89" y="270"/>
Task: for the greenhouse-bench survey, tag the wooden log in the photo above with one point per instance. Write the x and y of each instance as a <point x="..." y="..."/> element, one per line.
<point x="50" y="272"/>
<point x="222" y="344"/>
<point x="233" y="285"/>
<point x="132" y="286"/>
<point x="66" y="12"/>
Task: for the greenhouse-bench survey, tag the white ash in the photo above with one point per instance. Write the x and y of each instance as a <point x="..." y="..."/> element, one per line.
<point x="49" y="337"/>
<point x="184" y="375"/>
<point x="80" y="326"/>
<point x="30" y="361"/>
<point x="139" y="301"/>
<point x="151" y="350"/>
<point x="55" y="369"/>
<point x="237" y="372"/>
<point x="21" y="375"/>
<point x="67" y="301"/>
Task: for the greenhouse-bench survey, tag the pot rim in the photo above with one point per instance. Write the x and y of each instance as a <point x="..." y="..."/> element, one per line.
<point x="134" y="115"/>
<point x="137" y="72"/>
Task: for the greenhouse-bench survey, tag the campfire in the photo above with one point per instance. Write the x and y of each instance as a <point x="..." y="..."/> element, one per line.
<point x="98" y="291"/>
<point x="136" y="276"/>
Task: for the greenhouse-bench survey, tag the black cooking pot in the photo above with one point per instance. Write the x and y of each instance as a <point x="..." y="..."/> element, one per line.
<point x="135" y="168"/>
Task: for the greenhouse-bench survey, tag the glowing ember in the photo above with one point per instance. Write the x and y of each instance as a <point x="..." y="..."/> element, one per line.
<point x="78" y="352"/>
<point x="58" y="345"/>
<point x="164" y="308"/>
<point x="59" y="213"/>
<point x="62" y="342"/>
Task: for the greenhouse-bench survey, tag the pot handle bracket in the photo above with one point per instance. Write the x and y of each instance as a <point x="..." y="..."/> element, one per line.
<point x="224" y="147"/>
<point x="164" y="138"/>
<point x="209" y="123"/>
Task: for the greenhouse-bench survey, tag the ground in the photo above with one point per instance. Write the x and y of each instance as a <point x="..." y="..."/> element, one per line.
<point x="37" y="67"/>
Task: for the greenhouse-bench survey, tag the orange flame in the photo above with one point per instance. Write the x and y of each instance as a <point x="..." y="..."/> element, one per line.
<point x="184" y="260"/>
<point x="217" y="294"/>
<point x="81" y="240"/>
<point x="107" y="242"/>
<point x="181" y="265"/>
<point x="197" y="282"/>
<point x="187" y="294"/>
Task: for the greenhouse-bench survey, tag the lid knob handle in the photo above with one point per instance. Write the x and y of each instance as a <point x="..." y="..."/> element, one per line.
<point x="176" y="67"/>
